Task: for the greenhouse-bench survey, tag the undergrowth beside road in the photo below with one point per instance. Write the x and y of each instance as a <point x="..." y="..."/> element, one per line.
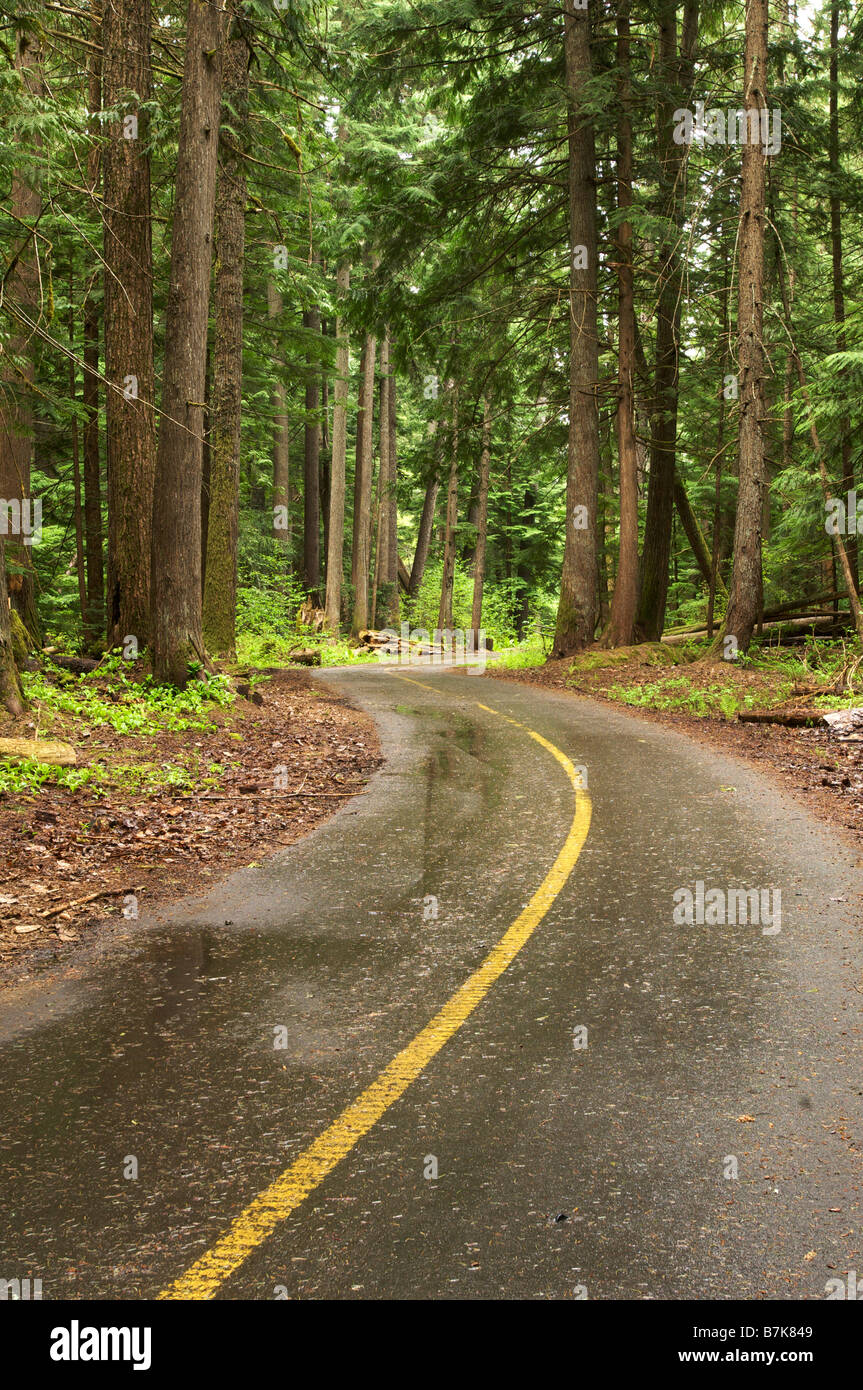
<point x="820" y="674"/>
<point x="166" y="793"/>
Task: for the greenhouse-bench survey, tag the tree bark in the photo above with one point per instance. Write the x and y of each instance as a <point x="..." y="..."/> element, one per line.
<point x="386" y="560"/>
<point x="444" y="621"/>
<point x="11" y="694"/>
<point x="424" y="536"/>
<point x="129" y="407"/>
<point x="22" y="290"/>
<point x="336" y="538"/>
<point x="481" y="520"/>
<point x="176" y="609"/>
<point x="624" y="603"/>
<point x="745" y="594"/>
<point x="677" y="77"/>
<point x="281" y="433"/>
<point x="363" y="487"/>
<point x="94" y="625"/>
<point x="576" y="614"/>
<point x="312" y="464"/>
<point x="836" y="259"/>
<point x="78" y="514"/>
<point x="391" y="507"/>
<point x="220" y="582"/>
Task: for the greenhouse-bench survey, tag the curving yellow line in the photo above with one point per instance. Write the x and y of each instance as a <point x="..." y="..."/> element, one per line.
<point x="261" y="1217"/>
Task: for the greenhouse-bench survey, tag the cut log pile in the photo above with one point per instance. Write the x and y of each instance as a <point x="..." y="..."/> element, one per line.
<point x="389" y="643"/>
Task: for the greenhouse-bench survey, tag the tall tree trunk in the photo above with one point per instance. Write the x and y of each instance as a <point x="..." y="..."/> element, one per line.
<point x="836" y="257"/>
<point x="129" y="407"/>
<point x="621" y="627"/>
<point x="220" y="582"/>
<point x="424" y="535"/>
<point x="391" y="515"/>
<point x="745" y="594"/>
<point x="676" y="80"/>
<point x="481" y="520"/>
<point x="22" y="290"/>
<point x="336" y="538"/>
<point x="312" y="464"/>
<point x="176" y="610"/>
<point x="386" y="560"/>
<point x="716" y="548"/>
<point x="11" y="694"/>
<point x="281" y="433"/>
<point x="576" y="614"/>
<point x="94" y="626"/>
<point x="76" y="458"/>
<point x="326" y="456"/>
<point x="444" y="621"/>
<point x="205" y="462"/>
<point x="363" y="487"/>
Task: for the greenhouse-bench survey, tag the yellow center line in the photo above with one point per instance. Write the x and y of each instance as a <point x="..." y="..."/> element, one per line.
<point x="261" y="1217"/>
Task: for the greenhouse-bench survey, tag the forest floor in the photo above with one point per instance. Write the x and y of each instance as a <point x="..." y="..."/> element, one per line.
<point x="827" y="775"/>
<point x="161" y="800"/>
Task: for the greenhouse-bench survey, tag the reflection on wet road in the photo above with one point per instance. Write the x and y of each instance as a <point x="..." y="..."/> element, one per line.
<point x="209" y="1051"/>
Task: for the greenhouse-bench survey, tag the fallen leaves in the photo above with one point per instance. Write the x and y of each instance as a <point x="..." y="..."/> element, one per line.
<point x="65" y="855"/>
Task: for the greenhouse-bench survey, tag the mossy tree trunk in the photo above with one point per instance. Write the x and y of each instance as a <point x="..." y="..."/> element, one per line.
<point x="11" y="694"/>
<point x="129" y="405"/>
<point x="220" y="581"/>
<point x="176" y="562"/>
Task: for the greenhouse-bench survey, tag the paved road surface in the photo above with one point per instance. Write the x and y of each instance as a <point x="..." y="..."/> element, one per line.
<point x="561" y="1169"/>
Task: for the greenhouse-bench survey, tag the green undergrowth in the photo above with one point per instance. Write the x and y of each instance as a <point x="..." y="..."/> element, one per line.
<point x="140" y="779"/>
<point x="110" y="698"/>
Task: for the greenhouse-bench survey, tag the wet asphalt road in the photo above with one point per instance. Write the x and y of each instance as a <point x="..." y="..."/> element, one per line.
<point x="560" y="1169"/>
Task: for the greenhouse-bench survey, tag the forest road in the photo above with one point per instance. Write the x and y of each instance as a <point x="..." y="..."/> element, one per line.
<point x="285" y="1087"/>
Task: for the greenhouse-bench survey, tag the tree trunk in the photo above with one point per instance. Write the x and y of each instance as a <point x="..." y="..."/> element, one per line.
<point x="576" y="614"/>
<point x="94" y="625"/>
<point x="838" y="276"/>
<point x="424" y="536"/>
<point x="129" y="407"/>
<point x="220" y="582"/>
<point x="312" y="464"/>
<point x="692" y="528"/>
<point x="177" y="636"/>
<point x="78" y="515"/>
<point x="391" y="512"/>
<point x="205" y="463"/>
<point x="21" y="289"/>
<point x="481" y="520"/>
<point x="677" y="75"/>
<point x="335" y="542"/>
<point x="326" y="456"/>
<point x="11" y="694"/>
<point x="716" y="549"/>
<point x="624" y="603"/>
<point x="444" y="621"/>
<point x="363" y="487"/>
<point x="745" y="595"/>
<point x="281" y="433"/>
<point x="386" y="560"/>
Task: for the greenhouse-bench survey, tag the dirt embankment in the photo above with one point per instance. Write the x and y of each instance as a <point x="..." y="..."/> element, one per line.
<point x="826" y="774"/>
<point x="267" y="773"/>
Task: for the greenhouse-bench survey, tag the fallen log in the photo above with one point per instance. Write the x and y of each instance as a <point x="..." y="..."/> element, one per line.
<point x="791" y="718"/>
<point x="78" y="665"/>
<point x="305" y="658"/>
<point x="38" y="750"/>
